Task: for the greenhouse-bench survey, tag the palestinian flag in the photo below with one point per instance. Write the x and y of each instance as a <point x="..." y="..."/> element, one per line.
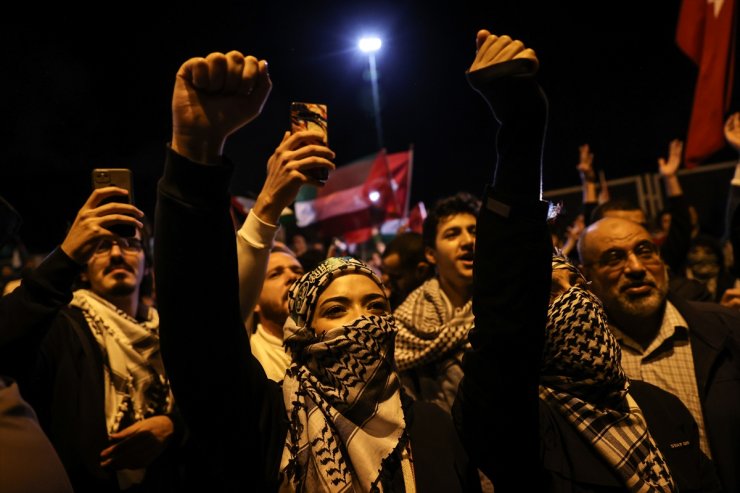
<point x="358" y="197"/>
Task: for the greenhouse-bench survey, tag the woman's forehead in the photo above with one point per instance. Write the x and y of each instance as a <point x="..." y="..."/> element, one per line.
<point x="350" y="286"/>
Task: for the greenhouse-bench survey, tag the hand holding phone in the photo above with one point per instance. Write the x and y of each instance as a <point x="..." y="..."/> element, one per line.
<point x="116" y="177"/>
<point x="311" y="116"/>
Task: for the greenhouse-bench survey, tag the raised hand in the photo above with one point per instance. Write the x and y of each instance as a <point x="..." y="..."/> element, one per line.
<point x="494" y="49"/>
<point x="573" y="232"/>
<point x="603" y="188"/>
<point x="670" y="166"/>
<point x="732" y="130"/>
<point x="93" y="220"/>
<point x="585" y="164"/>
<point x="289" y="167"/>
<point x="213" y="97"/>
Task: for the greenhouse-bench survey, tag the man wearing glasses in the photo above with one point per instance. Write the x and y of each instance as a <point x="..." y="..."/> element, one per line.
<point x="691" y="349"/>
<point x="98" y="383"/>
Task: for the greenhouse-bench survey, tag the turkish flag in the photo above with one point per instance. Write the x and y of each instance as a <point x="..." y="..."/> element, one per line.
<point x="706" y="34"/>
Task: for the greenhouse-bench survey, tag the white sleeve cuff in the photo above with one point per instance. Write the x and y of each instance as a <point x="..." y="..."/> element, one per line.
<point x="257" y="232"/>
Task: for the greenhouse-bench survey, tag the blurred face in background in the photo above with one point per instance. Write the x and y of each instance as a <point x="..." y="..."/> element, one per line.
<point x="283" y="270"/>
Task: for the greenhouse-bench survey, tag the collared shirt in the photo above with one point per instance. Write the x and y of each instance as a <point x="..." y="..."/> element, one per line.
<point x="667" y="363"/>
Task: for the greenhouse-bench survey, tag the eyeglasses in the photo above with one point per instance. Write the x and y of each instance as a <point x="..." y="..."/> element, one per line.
<point x="615" y="259"/>
<point x="127" y="245"/>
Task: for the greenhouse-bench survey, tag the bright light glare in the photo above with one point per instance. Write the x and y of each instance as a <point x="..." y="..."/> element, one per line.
<point x="374" y="196"/>
<point x="369" y="45"/>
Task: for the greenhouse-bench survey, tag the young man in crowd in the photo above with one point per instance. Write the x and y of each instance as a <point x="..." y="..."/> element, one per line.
<point x="98" y="385"/>
<point x="434" y="320"/>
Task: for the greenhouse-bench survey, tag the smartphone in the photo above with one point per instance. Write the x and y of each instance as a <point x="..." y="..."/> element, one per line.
<point x="311" y="116"/>
<point x="116" y="177"/>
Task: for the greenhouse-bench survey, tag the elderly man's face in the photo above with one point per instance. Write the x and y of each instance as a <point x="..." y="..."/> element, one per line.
<point x="625" y="268"/>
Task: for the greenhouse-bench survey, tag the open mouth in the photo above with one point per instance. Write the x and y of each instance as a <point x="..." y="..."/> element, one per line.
<point x="467" y="257"/>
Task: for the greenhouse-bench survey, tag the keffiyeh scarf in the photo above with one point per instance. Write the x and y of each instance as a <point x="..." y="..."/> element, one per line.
<point x="583" y="379"/>
<point x="135" y="383"/>
<point x="425" y="333"/>
<point x="342" y="395"/>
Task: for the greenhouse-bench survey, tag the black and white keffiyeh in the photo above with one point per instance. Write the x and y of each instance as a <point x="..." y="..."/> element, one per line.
<point x="342" y="395"/>
<point x="426" y="333"/>
<point x="135" y="384"/>
<point x="583" y="379"/>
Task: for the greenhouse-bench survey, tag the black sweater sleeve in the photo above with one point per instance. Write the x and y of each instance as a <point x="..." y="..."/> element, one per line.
<point x="235" y="414"/>
<point x="496" y="410"/>
<point x="28" y="312"/>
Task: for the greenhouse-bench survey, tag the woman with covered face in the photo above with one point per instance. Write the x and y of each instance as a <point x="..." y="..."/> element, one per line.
<point x="339" y="421"/>
<point x="544" y="400"/>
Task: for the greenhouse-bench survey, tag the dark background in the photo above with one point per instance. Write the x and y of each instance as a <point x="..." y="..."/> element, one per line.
<point x="91" y="87"/>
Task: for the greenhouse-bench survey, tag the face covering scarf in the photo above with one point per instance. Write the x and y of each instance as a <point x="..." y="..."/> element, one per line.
<point x="342" y="394"/>
<point x="583" y="379"/>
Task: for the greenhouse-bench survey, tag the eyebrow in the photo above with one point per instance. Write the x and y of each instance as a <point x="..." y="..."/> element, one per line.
<point x="640" y="243"/>
<point x="344" y="299"/>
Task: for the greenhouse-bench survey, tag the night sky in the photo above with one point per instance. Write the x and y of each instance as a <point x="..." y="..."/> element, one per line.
<point x="81" y="94"/>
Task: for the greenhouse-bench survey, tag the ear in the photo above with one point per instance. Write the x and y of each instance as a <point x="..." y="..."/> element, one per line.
<point x="431" y="255"/>
<point x="422" y="269"/>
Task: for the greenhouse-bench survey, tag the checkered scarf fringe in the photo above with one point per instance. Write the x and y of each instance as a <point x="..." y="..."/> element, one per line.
<point x="345" y="410"/>
<point x="135" y="384"/>
<point x="424" y="334"/>
<point x="583" y="379"/>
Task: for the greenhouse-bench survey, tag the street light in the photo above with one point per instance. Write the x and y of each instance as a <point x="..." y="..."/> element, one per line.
<point x="370" y="45"/>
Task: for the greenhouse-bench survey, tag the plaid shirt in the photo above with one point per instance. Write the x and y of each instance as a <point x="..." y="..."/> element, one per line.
<point x="667" y="363"/>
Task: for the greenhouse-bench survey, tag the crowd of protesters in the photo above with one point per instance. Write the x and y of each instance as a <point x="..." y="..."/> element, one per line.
<point x="485" y="353"/>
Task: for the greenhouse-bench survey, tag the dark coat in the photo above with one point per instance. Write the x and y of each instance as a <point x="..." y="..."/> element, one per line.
<point x="714" y="332"/>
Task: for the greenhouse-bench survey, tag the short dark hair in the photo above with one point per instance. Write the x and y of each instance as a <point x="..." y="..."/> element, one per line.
<point x="409" y="246"/>
<point x="618" y="204"/>
<point x="460" y="203"/>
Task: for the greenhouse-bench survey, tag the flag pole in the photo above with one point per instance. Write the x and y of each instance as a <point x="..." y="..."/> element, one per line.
<point x="409" y="176"/>
<point x="389" y="176"/>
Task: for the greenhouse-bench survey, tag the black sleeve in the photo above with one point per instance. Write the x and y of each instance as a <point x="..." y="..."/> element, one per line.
<point x="588" y="211"/>
<point x="27" y="313"/>
<point x="496" y="409"/>
<point x="235" y="414"/>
